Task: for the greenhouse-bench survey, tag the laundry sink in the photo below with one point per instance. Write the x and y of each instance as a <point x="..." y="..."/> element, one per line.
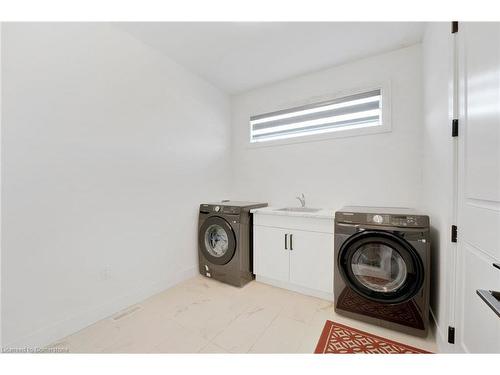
<point x="299" y="209"/>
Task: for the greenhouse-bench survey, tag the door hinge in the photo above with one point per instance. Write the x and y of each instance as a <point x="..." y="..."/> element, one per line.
<point x="454" y="128"/>
<point x="454" y="27"/>
<point x="451" y="335"/>
<point x="454" y="231"/>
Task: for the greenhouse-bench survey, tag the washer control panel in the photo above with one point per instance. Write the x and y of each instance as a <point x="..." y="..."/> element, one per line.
<point x="212" y="208"/>
<point x="231" y="210"/>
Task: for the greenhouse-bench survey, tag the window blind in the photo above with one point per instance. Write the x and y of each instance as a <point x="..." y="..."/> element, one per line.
<point x="353" y="111"/>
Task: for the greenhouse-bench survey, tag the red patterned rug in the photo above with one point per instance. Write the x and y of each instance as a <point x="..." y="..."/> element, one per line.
<point x="340" y="339"/>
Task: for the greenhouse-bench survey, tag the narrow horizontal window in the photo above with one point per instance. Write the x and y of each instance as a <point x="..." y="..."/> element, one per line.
<point x="349" y="112"/>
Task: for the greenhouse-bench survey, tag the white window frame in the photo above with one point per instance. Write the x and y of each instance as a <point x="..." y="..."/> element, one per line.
<point x="386" y="126"/>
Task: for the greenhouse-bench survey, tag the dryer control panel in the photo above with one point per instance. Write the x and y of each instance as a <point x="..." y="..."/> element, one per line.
<point x="394" y="220"/>
<point x="382" y="219"/>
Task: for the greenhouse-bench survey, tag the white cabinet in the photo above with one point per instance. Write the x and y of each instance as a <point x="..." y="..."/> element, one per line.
<point x="476" y="322"/>
<point x="295" y="259"/>
<point x="480" y="329"/>
<point x="311" y="260"/>
<point x="272" y="260"/>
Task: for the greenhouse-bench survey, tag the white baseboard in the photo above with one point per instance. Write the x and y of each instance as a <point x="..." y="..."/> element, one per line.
<point x="295" y="288"/>
<point x="50" y="334"/>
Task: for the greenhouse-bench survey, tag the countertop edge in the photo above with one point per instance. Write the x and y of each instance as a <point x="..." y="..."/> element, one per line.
<point x="322" y="214"/>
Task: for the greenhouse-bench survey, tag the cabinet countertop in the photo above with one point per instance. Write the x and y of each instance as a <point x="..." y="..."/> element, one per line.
<point x="321" y="214"/>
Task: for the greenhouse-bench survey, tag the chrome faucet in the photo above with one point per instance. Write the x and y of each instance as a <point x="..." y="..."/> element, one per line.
<point x="302" y="199"/>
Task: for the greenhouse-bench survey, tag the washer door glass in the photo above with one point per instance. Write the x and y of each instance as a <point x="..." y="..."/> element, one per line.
<point x="216" y="240"/>
<point x="379" y="267"/>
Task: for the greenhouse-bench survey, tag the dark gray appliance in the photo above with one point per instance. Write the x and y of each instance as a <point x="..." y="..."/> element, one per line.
<point x="382" y="267"/>
<point x="225" y="251"/>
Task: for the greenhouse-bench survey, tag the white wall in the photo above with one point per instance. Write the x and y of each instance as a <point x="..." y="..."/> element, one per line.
<point x="438" y="167"/>
<point x="108" y="148"/>
<point x="1" y="342"/>
<point x="382" y="169"/>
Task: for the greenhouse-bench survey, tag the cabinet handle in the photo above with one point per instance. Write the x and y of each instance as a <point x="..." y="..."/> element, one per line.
<point x="286" y="237"/>
<point x="491" y="298"/>
<point x="291" y="241"/>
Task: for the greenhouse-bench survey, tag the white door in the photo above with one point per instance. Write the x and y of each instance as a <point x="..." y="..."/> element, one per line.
<point x="478" y="326"/>
<point x="311" y="260"/>
<point x="271" y="258"/>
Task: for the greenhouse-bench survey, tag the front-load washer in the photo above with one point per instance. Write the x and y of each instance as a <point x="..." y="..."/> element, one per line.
<point x="225" y="248"/>
<point x="382" y="267"/>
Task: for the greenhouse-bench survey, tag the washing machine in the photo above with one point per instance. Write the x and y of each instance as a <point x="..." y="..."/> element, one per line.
<point x="382" y="267"/>
<point x="225" y="249"/>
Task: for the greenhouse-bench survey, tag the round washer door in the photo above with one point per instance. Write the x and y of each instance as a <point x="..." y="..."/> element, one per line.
<point x="381" y="266"/>
<point x="216" y="240"/>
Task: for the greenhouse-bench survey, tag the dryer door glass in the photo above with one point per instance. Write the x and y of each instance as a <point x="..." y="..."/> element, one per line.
<point x="379" y="267"/>
<point x="216" y="240"/>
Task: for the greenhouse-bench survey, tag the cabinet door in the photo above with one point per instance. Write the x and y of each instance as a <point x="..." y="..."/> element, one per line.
<point x="480" y="328"/>
<point x="311" y="260"/>
<point x="478" y="246"/>
<point x="271" y="259"/>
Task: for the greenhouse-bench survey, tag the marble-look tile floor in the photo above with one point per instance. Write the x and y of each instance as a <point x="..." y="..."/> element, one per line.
<point x="206" y="316"/>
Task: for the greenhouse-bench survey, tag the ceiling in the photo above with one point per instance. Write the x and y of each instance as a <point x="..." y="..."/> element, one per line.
<point x="239" y="56"/>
